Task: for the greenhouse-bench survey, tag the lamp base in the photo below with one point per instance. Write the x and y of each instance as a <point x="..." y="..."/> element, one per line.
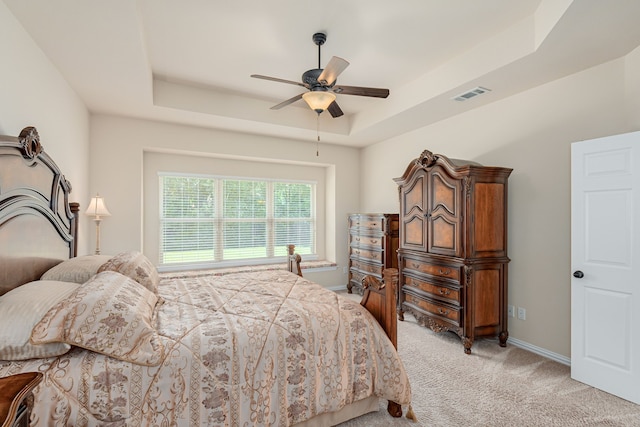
<point x="97" y="221"/>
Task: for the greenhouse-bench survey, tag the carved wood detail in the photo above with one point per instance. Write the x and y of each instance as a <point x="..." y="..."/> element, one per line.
<point x="30" y="142"/>
<point x="427" y="158"/>
<point x="431" y="322"/>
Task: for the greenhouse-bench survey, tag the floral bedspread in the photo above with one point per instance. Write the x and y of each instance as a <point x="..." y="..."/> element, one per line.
<point x="249" y="349"/>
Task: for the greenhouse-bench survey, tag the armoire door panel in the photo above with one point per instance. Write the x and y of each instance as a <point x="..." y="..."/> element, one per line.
<point x="412" y="215"/>
<point x="413" y="233"/>
<point x="444" y="194"/>
<point x="444" y="211"/>
<point x="444" y="236"/>
<point x="486" y="294"/>
<point x="488" y="211"/>
<point x="413" y="197"/>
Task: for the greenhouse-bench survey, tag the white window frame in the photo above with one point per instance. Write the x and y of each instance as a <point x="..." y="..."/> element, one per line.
<point x="219" y="220"/>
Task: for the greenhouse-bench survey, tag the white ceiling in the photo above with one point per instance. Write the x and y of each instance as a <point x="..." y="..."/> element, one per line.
<point x="189" y="61"/>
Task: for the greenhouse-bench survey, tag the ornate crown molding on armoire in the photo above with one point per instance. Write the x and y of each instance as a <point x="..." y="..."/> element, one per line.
<point x="452" y="252"/>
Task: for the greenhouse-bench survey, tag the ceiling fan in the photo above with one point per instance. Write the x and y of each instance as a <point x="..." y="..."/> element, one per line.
<point x="321" y="85"/>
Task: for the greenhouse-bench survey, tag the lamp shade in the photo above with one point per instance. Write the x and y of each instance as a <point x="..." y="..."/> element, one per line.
<point x="97" y="208"/>
<point x="318" y="100"/>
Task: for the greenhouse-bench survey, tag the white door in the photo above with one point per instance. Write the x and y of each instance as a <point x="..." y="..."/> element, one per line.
<point x="605" y="258"/>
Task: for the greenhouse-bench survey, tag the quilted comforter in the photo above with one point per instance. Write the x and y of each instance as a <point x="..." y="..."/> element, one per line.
<point x="249" y="349"/>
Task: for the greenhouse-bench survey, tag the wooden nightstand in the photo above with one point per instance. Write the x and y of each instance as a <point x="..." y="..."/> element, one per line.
<point x="16" y="398"/>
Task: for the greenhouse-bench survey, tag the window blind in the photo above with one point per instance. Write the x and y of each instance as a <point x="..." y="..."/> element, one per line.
<point x="231" y="221"/>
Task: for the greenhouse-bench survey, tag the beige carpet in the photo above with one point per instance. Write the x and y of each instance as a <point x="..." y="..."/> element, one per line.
<point x="493" y="386"/>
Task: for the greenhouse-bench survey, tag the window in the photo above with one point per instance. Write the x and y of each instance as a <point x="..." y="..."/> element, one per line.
<point x="232" y="221"/>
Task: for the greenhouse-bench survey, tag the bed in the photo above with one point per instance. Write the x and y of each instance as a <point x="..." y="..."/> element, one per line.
<point x="120" y="345"/>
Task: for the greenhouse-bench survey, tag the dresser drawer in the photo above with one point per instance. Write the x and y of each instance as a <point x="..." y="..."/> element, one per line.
<point x="356" y="276"/>
<point x="366" y="254"/>
<point x="434" y="308"/>
<point x="452" y="295"/>
<point x="367" y="268"/>
<point x="367" y="222"/>
<point x="365" y="240"/>
<point x="431" y="269"/>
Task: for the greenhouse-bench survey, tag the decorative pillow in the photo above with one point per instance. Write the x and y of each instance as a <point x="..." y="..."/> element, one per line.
<point x="78" y="270"/>
<point x="109" y="314"/>
<point x="135" y="265"/>
<point x="21" y="309"/>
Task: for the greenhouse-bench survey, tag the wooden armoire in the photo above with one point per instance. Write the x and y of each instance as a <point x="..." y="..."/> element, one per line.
<point x="452" y="252"/>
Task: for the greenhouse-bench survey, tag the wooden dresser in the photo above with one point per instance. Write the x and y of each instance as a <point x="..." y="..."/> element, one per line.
<point x="16" y="398"/>
<point x="373" y="245"/>
<point x="453" y="247"/>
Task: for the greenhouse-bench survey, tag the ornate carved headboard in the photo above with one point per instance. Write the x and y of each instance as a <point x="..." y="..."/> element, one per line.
<point x="38" y="225"/>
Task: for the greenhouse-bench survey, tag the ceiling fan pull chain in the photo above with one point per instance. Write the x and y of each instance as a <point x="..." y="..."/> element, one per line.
<point x="318" y="134"/>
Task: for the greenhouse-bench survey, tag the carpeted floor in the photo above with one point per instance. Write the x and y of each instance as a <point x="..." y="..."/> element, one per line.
<point x="493" y="387"/>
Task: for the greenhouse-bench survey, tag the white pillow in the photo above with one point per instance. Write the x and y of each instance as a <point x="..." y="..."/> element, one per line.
<point x="78" y="270"/>
<point x="21" y="309"/>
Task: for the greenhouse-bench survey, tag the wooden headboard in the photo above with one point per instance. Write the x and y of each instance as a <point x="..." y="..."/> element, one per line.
<point x="38" y="225"/>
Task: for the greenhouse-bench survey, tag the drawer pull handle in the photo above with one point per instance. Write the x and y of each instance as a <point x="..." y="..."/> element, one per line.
<point x="357" y="252"/>
<point x="445" y="272"/>
<point x="443" y="312"/>
<point x="357" y="239"/>
<point x="374" y="241"/>
<point x="444" y="291"/>
<point x="415" y="265"/>
<point x="374" y="224"/>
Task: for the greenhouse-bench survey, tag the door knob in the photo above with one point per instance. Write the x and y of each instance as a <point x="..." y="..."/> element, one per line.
<point x="578" y="274"/>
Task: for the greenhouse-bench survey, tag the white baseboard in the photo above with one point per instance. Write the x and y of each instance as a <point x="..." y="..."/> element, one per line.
<point x="513" y="341"/>
<point x="541" y="351"/>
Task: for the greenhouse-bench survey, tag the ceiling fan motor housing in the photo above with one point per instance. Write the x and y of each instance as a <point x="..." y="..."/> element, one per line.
<point x="310" y="78"/>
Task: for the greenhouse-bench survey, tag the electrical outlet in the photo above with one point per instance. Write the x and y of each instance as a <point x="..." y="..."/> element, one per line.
<point x="522" y="313"/>
<point x="511" y="311"/>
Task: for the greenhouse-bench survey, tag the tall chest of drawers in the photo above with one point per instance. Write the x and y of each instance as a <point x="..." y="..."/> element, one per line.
<point x="373" y="245"/>
<point x="453" y="247"/>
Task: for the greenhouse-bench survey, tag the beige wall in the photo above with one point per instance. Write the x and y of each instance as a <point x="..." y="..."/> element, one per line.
<point x="117" y="162"/>
<point x="530" y="132"/>
<point x="33" y="93"/>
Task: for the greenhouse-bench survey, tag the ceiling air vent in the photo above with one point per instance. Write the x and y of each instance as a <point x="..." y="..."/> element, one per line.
<point x="471" y="93"/>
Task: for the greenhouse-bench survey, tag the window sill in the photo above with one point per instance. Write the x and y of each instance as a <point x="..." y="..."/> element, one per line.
<point x="308" y="266"/>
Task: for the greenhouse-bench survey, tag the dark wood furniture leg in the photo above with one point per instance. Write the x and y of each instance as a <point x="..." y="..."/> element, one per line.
<point x="16" y="398"/>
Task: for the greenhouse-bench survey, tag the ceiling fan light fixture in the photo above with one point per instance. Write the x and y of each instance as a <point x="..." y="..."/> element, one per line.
<point x="318" y="100"/>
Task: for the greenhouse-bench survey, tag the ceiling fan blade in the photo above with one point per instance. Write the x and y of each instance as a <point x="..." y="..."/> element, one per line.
<point x="275" y="79"/>
<point x="335" y="110"/>
<point x="361" y="91"/>
<point x="333" y="69"/>
<point x="287" y="102"/>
